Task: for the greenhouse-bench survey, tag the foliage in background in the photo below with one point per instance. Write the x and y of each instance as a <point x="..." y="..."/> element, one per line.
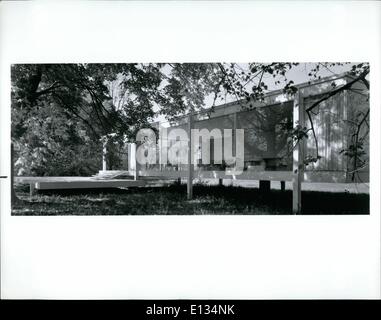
<point x="61" y="112"/>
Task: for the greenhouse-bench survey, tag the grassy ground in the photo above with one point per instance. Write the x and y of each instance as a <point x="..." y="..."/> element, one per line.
<point x="172" y="200"/>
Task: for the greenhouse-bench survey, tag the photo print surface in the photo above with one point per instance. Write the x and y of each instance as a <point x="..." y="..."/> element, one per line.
<point x="190" y="138"/>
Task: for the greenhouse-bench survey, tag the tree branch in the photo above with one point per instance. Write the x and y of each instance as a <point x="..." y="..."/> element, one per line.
<point x="338" y="90"/>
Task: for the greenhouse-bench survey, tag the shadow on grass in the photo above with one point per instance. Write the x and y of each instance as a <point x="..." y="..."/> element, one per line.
<point x="171" y="200"/>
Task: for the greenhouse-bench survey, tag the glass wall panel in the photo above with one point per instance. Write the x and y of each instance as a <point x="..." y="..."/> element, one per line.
<point x="268" y="145"/>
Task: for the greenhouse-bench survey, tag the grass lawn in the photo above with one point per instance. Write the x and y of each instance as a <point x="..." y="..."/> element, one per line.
<point x="171" y="200"/>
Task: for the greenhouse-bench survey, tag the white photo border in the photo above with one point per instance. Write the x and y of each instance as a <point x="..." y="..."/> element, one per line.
<point x="189" y="257"/>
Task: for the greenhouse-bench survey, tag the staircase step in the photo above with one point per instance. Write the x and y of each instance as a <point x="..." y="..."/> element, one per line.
<point x="112" y="174"/>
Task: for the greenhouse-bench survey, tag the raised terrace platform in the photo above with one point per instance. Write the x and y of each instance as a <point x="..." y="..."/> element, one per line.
<point x="58" y="183"/>
<point x="247" y="180"/>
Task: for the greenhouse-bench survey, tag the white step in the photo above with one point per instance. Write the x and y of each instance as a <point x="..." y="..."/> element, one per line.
<point x="111" y="174"/>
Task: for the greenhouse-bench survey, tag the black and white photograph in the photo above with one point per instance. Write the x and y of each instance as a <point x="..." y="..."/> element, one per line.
<point x="169" y="152"/>
<point x="190" y="138"/>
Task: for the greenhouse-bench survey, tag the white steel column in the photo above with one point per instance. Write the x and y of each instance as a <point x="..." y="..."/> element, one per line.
<point x="104" y="156"/>
<point x="190" y="157"/>
<point x="132" y="163"/>
<point x="298" y="166"/>
<point x="234" y="142"/>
